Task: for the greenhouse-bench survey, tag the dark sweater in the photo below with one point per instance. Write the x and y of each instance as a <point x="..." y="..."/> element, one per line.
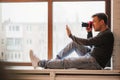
<point x="103" y="46"/>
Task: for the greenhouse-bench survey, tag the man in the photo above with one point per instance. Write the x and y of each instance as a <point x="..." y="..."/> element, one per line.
<point x="95" y="58"/>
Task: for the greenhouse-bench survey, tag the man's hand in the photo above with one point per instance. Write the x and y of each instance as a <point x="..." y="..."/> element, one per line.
<point x="89" y="27"/>
<point x="68" y="30"/>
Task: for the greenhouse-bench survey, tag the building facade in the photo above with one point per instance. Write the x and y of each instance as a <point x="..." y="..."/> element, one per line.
<point x="18" y="38"/>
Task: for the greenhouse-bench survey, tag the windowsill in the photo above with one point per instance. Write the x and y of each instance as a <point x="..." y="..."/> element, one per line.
<point x="30" y="69"/>
<point x="28" y="73"/>
<point x="17" y="63"/>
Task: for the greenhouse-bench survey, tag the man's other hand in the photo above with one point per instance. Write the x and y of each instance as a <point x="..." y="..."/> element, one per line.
<point x="68" y="30"/>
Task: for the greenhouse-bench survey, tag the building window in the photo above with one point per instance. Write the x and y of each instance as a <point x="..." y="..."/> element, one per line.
<point x="17" y="28"/>
<point x="2" y="41"/>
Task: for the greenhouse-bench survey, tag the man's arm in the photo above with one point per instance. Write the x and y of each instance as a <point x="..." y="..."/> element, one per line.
<point x="89" y="31"/>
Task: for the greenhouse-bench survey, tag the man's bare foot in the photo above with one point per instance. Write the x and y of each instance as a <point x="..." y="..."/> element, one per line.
<point x="34" y="59"/>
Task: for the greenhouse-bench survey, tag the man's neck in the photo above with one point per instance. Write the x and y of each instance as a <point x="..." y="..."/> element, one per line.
<point x="104" y="28"/>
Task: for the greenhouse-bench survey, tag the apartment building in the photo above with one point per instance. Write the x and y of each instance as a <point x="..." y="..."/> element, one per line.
<point x="19" y="38"/>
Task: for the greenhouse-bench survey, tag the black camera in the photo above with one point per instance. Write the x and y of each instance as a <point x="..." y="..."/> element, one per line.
<point x="84" y="24"/>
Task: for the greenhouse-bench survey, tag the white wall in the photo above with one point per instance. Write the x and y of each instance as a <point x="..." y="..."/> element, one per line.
<point x="116" y="30"/>
<point x="0" y="14"/>
<point x="0" y="28"/>
<point x="0" y="17"/>
<point x="2" y="36"/>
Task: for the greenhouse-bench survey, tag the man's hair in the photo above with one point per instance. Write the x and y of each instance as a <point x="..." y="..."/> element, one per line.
<point x="101" y="16"/>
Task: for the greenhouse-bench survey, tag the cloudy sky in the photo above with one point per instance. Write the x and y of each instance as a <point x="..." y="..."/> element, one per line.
<point x="62" y="11"/>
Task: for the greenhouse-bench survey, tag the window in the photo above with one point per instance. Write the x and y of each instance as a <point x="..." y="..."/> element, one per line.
<point x="41" y="25"/>
<point x="25" y="28"/>
<point x="63" y="15"/>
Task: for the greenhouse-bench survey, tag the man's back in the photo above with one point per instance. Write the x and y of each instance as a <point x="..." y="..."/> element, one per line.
<point x="103" y="47"/>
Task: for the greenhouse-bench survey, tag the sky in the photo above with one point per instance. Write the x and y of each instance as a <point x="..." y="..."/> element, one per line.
<point x="62" y="11"/>
<point x="24" y="12"/>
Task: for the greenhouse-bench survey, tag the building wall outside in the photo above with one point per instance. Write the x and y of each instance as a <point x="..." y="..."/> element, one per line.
<point x="116" y="30"/>
<point x="21" y="37"/>
<point x="0" y="27"/>
<point x="2" y="36"/>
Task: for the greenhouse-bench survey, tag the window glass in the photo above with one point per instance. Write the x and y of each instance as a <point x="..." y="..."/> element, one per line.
<point x="72" y="14"/>
<point x="23" y="27"/>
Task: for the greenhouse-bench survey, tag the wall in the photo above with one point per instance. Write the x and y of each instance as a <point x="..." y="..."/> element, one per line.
<point x="0" y="29"/>
<point x="116" y="30"/>
<point x="2" y="36"/>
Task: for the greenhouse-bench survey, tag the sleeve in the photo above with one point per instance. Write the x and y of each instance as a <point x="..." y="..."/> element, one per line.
<point x="97" y="40"/>
<point x="89" y="34"/>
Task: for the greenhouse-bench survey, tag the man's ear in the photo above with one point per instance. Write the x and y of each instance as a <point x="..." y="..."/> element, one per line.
<point x="102" y="21"/>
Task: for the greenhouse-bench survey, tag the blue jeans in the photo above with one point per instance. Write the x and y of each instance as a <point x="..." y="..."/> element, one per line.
<point x="84" y="61"/>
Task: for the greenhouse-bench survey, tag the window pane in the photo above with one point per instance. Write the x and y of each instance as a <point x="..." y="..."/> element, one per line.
<point x="23" y="27"/>
<point x="72" y="14"/>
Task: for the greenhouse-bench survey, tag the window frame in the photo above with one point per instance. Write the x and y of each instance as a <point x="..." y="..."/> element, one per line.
<point x="50" y="23"/>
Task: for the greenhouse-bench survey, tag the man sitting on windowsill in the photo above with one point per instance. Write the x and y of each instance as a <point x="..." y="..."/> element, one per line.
<point x="90" y="58"/>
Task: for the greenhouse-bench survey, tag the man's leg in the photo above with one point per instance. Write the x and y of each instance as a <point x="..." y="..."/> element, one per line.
<point x="84" y="62"/>
<point x="79" y="63"/>
<point x="73" y="46"/>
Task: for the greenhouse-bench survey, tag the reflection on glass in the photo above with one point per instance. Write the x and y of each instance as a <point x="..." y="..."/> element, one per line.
<point x="72" y="14"/>
<point x="23" y="27"/>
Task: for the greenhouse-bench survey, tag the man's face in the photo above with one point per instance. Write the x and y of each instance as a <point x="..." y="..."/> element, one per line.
<point x="97" y="23"/>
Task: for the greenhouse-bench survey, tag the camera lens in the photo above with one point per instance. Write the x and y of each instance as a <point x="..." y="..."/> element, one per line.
<point x="84" y="24"/>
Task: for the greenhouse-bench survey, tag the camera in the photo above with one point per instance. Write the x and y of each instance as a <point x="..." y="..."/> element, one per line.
<point x="89" y="24"/>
